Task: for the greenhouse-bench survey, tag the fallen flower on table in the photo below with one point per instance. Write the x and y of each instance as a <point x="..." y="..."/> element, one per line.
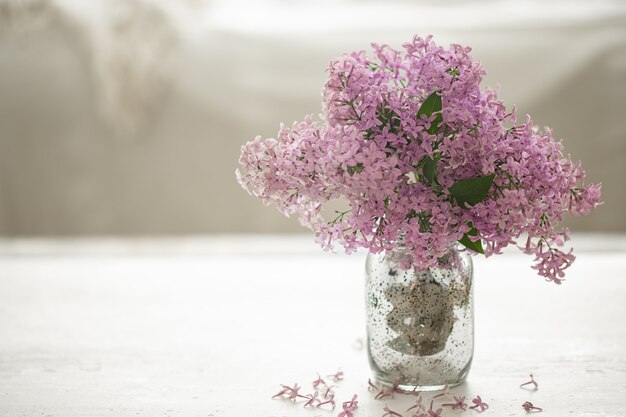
<point x="352" y="403"/>
<point x="432" y="413"/>
<point x="479" y="403"/>
<point x="418" y="404"/>
<point x="387" y="392"/>
<point x="337" y="376"/>
<point x="531" y="382"/>
<point x="384" y="392"/>
<point x="312" y="399"/>
<point x="349" y="407"/>
<point x="330" y="401"/>
<point x="529" y="407"/>
<point x="458" y="404"/>
<point x="319" y="381"/>
<point x="389" y="412"/>
<point x="371" y="385"/>
<point x="291" y="391"/>
<point x="358" y="344"/>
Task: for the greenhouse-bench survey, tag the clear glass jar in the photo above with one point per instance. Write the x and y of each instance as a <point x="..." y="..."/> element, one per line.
<point x="420" y="323"/>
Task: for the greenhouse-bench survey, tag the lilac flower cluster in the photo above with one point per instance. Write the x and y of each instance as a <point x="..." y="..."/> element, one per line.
<point x="420" y="154"/>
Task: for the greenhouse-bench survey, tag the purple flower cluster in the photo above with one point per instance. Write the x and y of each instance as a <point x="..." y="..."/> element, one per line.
<point x="420" y="154"/>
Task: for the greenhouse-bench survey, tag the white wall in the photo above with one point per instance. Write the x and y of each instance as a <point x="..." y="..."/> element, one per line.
<point x="126" y="117"/>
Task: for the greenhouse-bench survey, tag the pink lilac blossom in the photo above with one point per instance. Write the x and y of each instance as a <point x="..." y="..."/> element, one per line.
<point x="384" y="392"/>
<point x="319" y="381"/>
<point x="387" y="391"/>
<point x="329" y="391"/>
<point x="337" y="376"/>
<point x="434" y="413"/>
<point x="371" y="386"/>
<point x="418" y="404"/>
<point x="389" y="412"/>
<point x="529" y="407"/>
<point x="479" y="403"/>
<point x="349" y="407"/>
<point x="331" y="401"/>
<point x="404" y="136"/>
<point x="291" y="393"/>
<point x="312" y="399"/>
<point x="459" y="403"/>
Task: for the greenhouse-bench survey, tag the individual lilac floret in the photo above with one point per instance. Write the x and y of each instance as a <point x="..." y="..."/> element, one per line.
<point x="434" y="413"/>
<point x="371" y="386"/>
<point x="389" y="412"/>
<point x="529" y="407"/>
<point x="337" y="376"/>
<point x="418" y="404"/>
<point x="352" y="403"/>
<point x="319" y="382"/>
<point x="387" y="391"/>
<point x="349" y="407"/>
<point x="328" y="401"/>
<point x="313" y="399"/>
<point x="328" y="391"/>
<point x="420" y="153"/>
<point x="458" y="404"/>
<point x="479" y="403"/>
<point x="291" y="393"/>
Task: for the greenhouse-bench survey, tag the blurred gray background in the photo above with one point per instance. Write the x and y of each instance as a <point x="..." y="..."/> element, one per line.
<point x="126" y="117"/>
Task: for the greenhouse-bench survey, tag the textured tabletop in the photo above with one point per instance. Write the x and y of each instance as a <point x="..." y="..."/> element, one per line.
<point x="212" y="327"/>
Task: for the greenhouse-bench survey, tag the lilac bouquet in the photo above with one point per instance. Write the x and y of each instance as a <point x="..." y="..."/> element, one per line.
<point x="421" y="155"/>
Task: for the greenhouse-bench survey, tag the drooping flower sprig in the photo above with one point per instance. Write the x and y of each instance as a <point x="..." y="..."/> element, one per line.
<point x="420" y="154"/>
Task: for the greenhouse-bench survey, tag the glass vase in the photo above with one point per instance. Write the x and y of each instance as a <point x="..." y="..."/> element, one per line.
<point x="420" y="322"/>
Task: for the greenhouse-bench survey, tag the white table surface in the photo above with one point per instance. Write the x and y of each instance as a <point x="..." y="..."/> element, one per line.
<point x="212" y="327"/>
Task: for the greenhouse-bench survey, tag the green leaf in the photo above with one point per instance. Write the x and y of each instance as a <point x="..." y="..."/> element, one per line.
<point x="434" y="126"/>
<point x="431" y="105"/>
<point x="465" y="240"/>
<point x="429" y="171"/>
<point x="429" y="166"/>
<point x="471" y="191"/>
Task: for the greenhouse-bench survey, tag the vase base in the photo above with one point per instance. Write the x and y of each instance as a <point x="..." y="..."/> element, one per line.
<point x="408" y="388"/>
